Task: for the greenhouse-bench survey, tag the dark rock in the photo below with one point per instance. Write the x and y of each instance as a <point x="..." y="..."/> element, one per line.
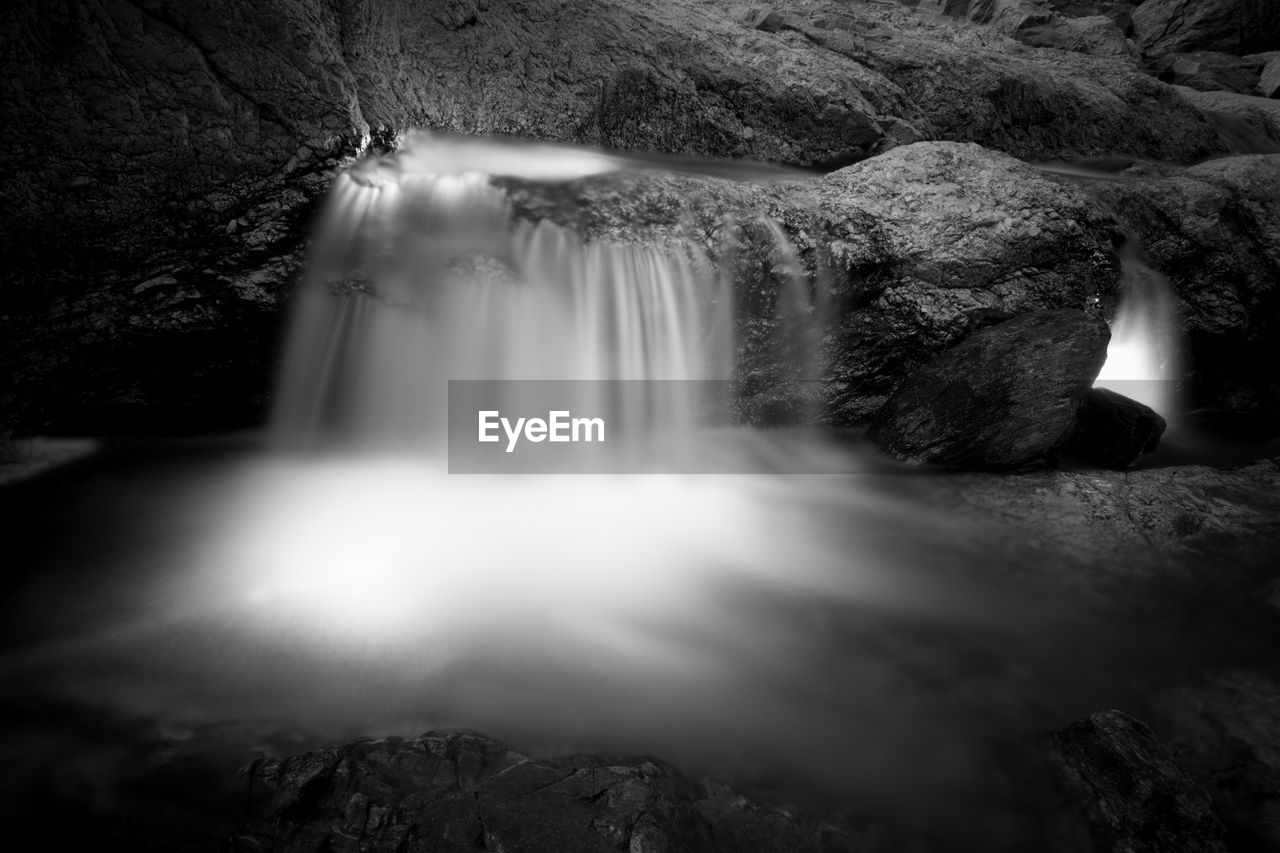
<point x="1209" y="71"/>
<point x="1007" y="16"/>
<point x="1231" y="26"/>
<point x="1213" y="230"/>
<point x="1107" y="533"/>
<point x="458" y="790"/>
<point x="1097" y="35"/>
<point x="1007" y="397"/>
<point x="1134" y="795"/>
<point x="1114" y="430"/>
<point x="1225" y="731"/>
<point x="1269" y="79"/>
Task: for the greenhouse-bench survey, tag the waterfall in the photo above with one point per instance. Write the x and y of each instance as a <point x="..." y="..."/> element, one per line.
<point x="422" y="275"/>
<point x="1143" y="356"/>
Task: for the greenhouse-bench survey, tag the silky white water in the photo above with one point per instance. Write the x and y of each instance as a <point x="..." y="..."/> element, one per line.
<point x="844" y="633"/>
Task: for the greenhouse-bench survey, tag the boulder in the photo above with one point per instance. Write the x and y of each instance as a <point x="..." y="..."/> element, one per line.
<point x="1224" y="730"/>
<point x="1133" y="794"/>
<point x="1007" y="16"/>
<point x="916" y="242"/>
<point x="1007" y="397"/>
<point x="1214" y="230"/>
<point x="1098" y="35"/>
<point x="1269" y="79"/>
<point x="1115" y="430"/>
<point x="1209" y="71"/>
<point x="1231" y="26"/>
<point x="465" y="791"/>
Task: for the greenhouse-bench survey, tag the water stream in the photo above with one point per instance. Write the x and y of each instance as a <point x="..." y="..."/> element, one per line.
<point x="849" y="634"/>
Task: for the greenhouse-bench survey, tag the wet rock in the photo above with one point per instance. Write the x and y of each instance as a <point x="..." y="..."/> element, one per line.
<point x="1246" y="124"/>
<point x="459" y="790"/>
<point x="1225" y="731"/>
<point x="1135" y="535"/>
<point x="1209" y="71"/>
<point x="973" y="84"/>
<point x="1098" y="35"/>
<point x="1009" y="16"/>
<point x="1132" y="792"/>
<point x="1231" y="26"/>
<point x="1269" y="79"/>
<point x="1007" y="397"/>
<point x="1115" y="430"/>
<point x="181" y="151"/>
<point x="1212" y="229"/>
<point x="916" y="242"/>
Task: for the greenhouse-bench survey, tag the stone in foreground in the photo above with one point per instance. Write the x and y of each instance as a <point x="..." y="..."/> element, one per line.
<point x="1115" y="430"/>
<point x="1007" y="397"/>
<point x="457" y="790"/>
<point x="1134" y="795"/>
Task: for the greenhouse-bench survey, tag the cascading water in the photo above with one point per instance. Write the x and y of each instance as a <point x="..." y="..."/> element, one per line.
<point x="435" y="281"/>
<point x="1143" y="356"/>
<point x="848" y="634"/>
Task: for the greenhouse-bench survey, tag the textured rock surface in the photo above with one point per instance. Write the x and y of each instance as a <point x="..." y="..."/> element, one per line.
<point x="1269" y="79"/>
<point x="1098" y="35"/>
<point x="464" y="791"/>
<point x="1008" y="396"/>
<point x="1191" y="527"/>
<point x="974" y="84"/>
<point x="1114" y="430"/>
<point x="1225" y="731"/>
<point x="1135" y="796"/>
<point x="160" y="161"/>
<point x="1210" y="71"/>
<point x="1252" y="123"/>
<point x="1214" y="229"/>
<point x="1232" y="26"/>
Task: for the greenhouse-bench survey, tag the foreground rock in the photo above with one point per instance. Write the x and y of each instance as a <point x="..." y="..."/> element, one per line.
<point x="1225" y="730"/>
<point x="464" y="791"/>
<point x="1134" y="795"/>
<point x="1114" y="430"/>
<point x="1008" y="396"/>
<point x="1185" y="530"/>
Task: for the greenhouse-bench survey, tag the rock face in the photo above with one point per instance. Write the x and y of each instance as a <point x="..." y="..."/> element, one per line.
<point x="1231" y="26"/>
<point x="1006" y="397"/>
<point x="1214" y="229"/>
<point x="1269" y="79"/>
<point x="1098" y="35"/>
<point x="160" y="164"/>
<point x="1114" y="430"/>
<point x="1135" y="796"/>
<point x="1224" y="730"/>
<point x="1209" y="71"/>
<point x="464" y="791"/>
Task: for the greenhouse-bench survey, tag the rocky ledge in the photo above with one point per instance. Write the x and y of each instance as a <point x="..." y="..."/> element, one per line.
<point x="162" y="163"/>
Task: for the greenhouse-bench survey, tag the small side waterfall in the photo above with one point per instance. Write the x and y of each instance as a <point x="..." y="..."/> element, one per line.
<point x="1143" y="357"/>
